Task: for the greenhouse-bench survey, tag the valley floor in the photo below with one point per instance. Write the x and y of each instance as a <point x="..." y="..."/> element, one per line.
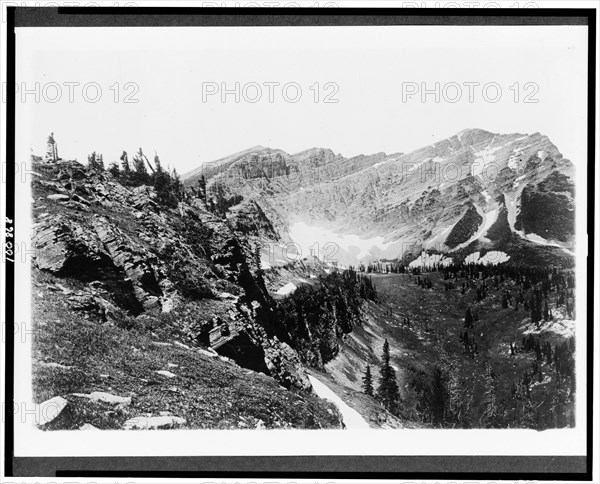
<point x="433" y="341"/>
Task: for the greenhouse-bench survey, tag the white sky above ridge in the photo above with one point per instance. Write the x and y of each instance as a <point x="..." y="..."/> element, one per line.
<point x="367" y="64"/>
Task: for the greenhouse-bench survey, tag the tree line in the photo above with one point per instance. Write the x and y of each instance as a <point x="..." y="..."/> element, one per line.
<point x="317" y="315"/>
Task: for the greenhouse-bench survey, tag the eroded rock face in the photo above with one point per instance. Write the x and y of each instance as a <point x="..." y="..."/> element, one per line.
<point x="415" y="198"/>
<point x="284" y="364"/>
<point x="465" y="228"/>
<point x="133" y="260"/>
<point x="66" y="248"/>
<point x="136" y="257"/>
<point x="547" y="208"/>
<point x="93" y="303"/>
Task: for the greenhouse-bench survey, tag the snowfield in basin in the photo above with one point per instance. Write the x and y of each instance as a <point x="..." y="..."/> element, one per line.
<point x="323" y="242"/>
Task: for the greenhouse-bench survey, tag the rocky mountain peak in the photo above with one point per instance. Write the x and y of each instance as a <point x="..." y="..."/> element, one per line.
<point x="443" y="196"/>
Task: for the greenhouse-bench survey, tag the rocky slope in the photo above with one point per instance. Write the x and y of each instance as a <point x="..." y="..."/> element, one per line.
<point x="131" y="300"/>
<point x="475" y="191"/>
<point x="158" y="317"/>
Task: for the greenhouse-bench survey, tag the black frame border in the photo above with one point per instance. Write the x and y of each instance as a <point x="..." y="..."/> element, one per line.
<point x="305" y="467"/>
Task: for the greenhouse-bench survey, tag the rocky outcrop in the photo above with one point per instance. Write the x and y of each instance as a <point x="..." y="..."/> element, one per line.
<point x="547" y="209"/>
<point x="65" y="248"/>
<point x="465" y="228"/>
<point x="92" y="303"/>
<point x="283" y="362"/>
<point x="134" y="260"/>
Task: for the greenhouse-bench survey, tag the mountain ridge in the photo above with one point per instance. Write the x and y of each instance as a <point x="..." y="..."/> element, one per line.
<point x="415" y="198"/>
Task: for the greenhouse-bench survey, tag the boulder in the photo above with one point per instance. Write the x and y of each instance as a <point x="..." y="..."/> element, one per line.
<point x="57" y="366"/>
<point x="96" y="305"/>
<point x="133" y="259"/>
<point x="64" y="247"/>
<point x="58" y="197"/>
<point x="154" y="423"/>
<point x="49" y="410"/>
<point x="87" y="426"/>
<point x="105" y="397"/>
<point x="166" y="373"/>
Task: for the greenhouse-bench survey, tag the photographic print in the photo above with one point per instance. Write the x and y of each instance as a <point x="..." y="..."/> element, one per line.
<point x="307" y="231"/>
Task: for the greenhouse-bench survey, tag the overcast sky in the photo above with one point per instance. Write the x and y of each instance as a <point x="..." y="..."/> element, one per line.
<point x="174" y="73"/>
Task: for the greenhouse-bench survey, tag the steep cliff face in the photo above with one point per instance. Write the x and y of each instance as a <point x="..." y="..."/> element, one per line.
<point x="181" y="282"/>
<point x="417" y="199"/>
<point x="547" y="208"/>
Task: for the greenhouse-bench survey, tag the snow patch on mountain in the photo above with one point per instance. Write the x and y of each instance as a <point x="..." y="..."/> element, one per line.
<point x="352" y="419"/>
<point x="488" y="220"/>
<point x="482" y="159"/>
<point x="513" y="158"/>
<point x="439" y="238"/>
<point x="289" y="288"/>
<point x="535" y="238"/>
<point x="493" y="257"/>
<point x="324" y="243"/>
<point x="430" y="260"/>
<point x="417" y="165"/>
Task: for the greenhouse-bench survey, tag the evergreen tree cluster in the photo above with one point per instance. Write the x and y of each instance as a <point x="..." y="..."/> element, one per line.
<point x="368" y="382"/>
<point x="167" y="184"/>
<point x="434" y="399"/>
<point x="218" y="201"/>
<point x="382" y="267"/>
<point x="483" y="393"/>
<point x="317" y="316"/>
<point x="530" y="287"/>
<point x="469" y="344"/>
<point x="424" y="282"/>
<point x="387" y="391"/>
<point x="95" y="161"/>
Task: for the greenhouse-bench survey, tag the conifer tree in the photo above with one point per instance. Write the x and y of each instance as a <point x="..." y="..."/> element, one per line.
<point x="125" y="162"/>
<point x="95" y="161"/>
<point x="388" y="387"/>
<point x="157" y="163"/>
<point x="113" y="169"/>
<point x="138" y="162"/>
<point x="468" y="318"/>
<point x="202" y="188"/>
<point x="52" y="149"/>
<point x="490" y="413"/>
<point x="368" y="382"/>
